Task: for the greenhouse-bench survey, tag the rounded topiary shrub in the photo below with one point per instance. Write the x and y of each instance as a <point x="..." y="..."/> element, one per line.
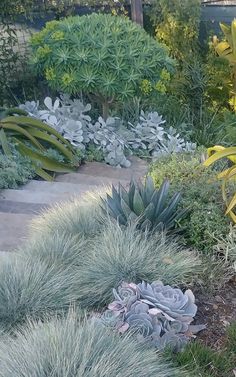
<point x="101" y="55"/>
<point x="78" y="348"/>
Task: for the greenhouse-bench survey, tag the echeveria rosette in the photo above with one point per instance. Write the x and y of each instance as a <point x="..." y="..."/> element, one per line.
<point x="158" y="314"/>
<point x="174" y="304"/>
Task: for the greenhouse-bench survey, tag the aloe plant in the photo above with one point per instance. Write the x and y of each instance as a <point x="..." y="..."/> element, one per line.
<point x="150" y="208"/>
<point x="32" y="138"/>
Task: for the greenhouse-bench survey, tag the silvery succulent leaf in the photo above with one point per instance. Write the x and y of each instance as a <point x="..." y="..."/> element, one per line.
<point x="170" y="339"/>
<point x="31" y="107"/>
<point x="50" y="105"/>
<point x="141" y="322"/>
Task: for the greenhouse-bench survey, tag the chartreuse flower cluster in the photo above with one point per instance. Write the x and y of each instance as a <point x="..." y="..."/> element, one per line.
<point x="109" y="57"/>
<point x="147" y="86"/>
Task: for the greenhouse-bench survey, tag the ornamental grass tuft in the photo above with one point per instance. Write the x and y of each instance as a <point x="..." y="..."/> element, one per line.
<point x="73" y="347"/>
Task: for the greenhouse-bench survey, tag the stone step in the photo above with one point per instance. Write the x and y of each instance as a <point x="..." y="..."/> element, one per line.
<point x="57" y="187"/>
<point x="91" y="180"/>
<point x="36" y="199"/>
<point x="13" y="230"/>
<point x="137" y="170"/>
<point x="18" y="205"/>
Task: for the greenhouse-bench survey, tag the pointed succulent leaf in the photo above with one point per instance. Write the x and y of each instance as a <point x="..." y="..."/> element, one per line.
<point x="138" y="205"/>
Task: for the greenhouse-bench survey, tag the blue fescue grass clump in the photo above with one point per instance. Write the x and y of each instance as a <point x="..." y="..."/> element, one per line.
<point x="73" y="347"/>
<point x="51" y="272"/>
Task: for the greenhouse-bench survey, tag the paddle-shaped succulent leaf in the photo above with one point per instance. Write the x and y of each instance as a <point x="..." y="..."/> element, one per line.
<point x="150" y="208"/>
<point x="32" y="138"/>
<point x="157" y="313"/>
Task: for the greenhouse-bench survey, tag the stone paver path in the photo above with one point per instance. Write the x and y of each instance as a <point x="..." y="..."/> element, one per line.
<point x="18" y="207"/>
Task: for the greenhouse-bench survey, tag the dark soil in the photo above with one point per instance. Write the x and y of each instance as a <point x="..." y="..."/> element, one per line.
<point x="217" y="312"/>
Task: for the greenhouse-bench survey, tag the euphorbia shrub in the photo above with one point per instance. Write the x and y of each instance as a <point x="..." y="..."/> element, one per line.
<point x="104" y="56"/>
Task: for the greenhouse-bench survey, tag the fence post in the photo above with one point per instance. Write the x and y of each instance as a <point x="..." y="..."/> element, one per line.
<point x="137" y="11"/>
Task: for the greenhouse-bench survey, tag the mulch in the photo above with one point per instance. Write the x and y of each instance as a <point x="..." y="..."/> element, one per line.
<point x="217" y="311"/>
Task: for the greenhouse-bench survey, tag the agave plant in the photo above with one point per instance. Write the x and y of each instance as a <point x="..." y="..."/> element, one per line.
<point x="32" y="138"/>
<point x="150" y="208"/>
<point x="158" y="313"/>
<point x="216" y="153"/>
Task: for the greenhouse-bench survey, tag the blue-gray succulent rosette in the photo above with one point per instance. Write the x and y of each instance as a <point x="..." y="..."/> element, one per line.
<point x="158" y="314"/>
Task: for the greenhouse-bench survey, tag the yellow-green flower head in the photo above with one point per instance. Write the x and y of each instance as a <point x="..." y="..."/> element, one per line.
<point x="43" y="51"/>
<point x="50" y="74"/>
<point x="146" y="86"/>
<point x="160" y="87"/>
<point x="67" y="79"/>
<point x="51" y="25"/>
<point x="165" y="75"/>
<point x="37" y="39"/>
<point x="58" y="35"/>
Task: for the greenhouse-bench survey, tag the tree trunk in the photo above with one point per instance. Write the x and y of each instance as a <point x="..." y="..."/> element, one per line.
<point x="105" y="110"/>
<point x="137" y="11"/>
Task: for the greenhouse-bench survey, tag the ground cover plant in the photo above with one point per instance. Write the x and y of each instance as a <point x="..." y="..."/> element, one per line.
<point x="15" y="170"/>
<point x="112" y="140"/>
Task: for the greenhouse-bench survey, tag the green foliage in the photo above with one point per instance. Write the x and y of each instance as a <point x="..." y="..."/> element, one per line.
<point x="12" y="62"/>
<point x="218" y="79"/>
<point x="227" y="50"/>
<point x="100" y="55"/>
<point x="201" y="194"/>
<point x="203" y="361"/>
<point x="94" y="154"/>
<point x="14" y="171"/>
<point x="74" y="347"/>
<point x="143" y="205"/>
<point x="32" y="138"/>
<point x="177" y="25"/>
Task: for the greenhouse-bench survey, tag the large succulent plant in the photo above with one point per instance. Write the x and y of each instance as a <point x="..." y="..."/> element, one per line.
<point x="157" y="313"/>
<point x="150" y="134"/>
<point x="69" y="117"/>
<point x="150" y="208"/>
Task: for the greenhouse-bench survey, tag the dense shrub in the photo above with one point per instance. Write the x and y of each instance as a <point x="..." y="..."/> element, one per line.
<point x="201" y="194"/>
<point x="14" y="171"/>
<point x="78" y="348"/>
<point x="100" y="55"/>
<point x="177" y="25"/>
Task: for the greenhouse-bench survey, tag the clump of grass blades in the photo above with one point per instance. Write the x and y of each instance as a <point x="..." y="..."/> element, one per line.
<point x="73" y="347"/>
<point x="127" y="254"/>
<point x="56" y="248"/>
<point x="205" y="362"/>
<point x="30" y="287"/>
<point x="78" y="216"/>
